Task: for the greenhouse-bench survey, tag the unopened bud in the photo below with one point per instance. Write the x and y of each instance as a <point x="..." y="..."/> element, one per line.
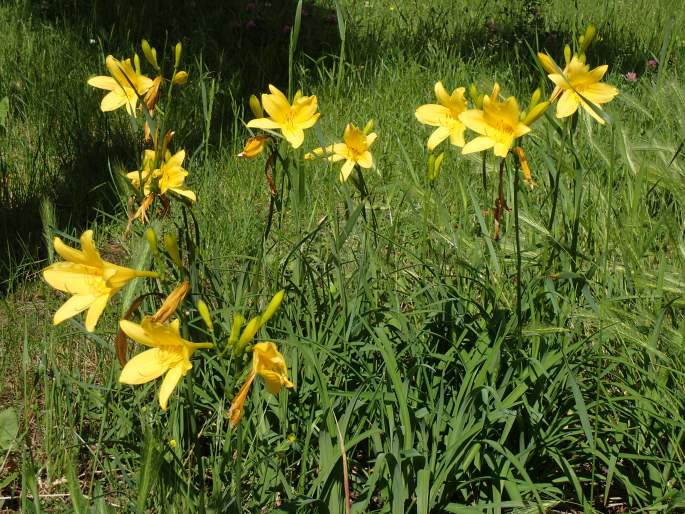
<point x="249" y="332"/>
<point x="271" y="309"/>
<point x="567" y="54"/>
<point x="136" y="63"/>
<point x="368" y="127"/>
<point x="179" y="49"/>
<point x="150" y="54"/>
<point x="203" y="310"/>
<point x="256" y="107"/>
<point x="151" y="237"/>
<point x="535" y="98"/>
<point x="588" y="37"/>
<point x="180" y="78"/>
<point x="235" y="329"/>
<point x="171" y="245"/>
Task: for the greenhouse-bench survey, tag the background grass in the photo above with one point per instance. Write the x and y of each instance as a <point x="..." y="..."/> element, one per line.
<point x="401" y="335"/>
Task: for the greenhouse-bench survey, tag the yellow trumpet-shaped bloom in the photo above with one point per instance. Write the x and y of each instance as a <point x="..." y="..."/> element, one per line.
<point x="145" y="174"/>
<point x="91" y="280"/>
<point x="170" y="176"/>
<point x="169" y="353"/>
<point x="498" y="124"/>
<point x="125" y="85"/>
<point x="354" y="151"/>
<point x="270" y="364"/>
<point x="577" y="85"/>
<point x="291" y="120"/>
<point x="445" y="116"/>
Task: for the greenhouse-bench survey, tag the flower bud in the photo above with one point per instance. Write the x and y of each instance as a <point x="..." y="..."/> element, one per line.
<point x="534" y="99"/>
<point x="473" y="92"/>
<point x="588" y="37"/>
<point x="256" y="107"/>
<point x="136" y="62"/>
<point x="150" y="54"/>
<point x="368" y="127"/>
<point x="179" y="49"/>
<point x="567" y="54"/>
<point x="180" y="78"/>
<point x="235" y="329"/>
<point x="248" y="334"/>
<point x="271" y="309"/>
<point x="171" y="245"/>
<point x="203" y="310"/>
<point x="151" y="237"/>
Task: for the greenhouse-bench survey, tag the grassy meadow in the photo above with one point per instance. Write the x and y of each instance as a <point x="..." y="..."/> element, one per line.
<point x="426" y="380"/>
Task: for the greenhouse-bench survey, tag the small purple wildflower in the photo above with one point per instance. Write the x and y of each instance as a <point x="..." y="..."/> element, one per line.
<point x="631" y="76"/>
<point x="652" y="64"/>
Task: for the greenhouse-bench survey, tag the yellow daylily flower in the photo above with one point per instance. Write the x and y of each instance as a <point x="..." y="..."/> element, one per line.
<point x="172" y="175"/>
<point x="445" y="116"/>
<point x="169" y="354"/>
<point x="145" y="174"/>
<point x="124" y="85"/>
<point x="268" y="362"/>
<point x="91" y="280"/>
<point x="291" y="120"/>
<point x="354" y="151"/>
<point x="576" y="85"/>
<point x="497" y="123"/>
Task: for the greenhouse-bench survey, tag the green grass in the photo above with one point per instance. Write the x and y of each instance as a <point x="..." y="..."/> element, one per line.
<point x="401" y="335"/>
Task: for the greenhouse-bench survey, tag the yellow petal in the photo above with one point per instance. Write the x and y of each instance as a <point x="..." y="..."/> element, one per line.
<point x="371" y="138"/>
<point x="346" y="170"/>
<point x="599" y="93"/>
<point x="185" y="192"/>
<point x="502" y="148"/>
<point x="276" y="106"/>
<point x="474" y="119"/>
<point x="478" y="145"/>
<point x="144" y="367"/>
<point x="365" y="160"/>
<point x="68" y="253"/>
<point x="73" y="306"/>
<point x="432" y="114"/>
<point x="170" y="381"/>
<point x="263" y="123"/>
<point x="457" y="135"/>
<point x="137" y="333"/>
<point x="103" y="82"/>
<point x="294" y="135"/>
<point x="95" y="311"/>
<point x="441" y="93"/>
<point x="437" y="137"/>
<point x="75" y="278"/>
<point x="309" y="122"/>
<point x="520" y="130"/>
<point x="112" y="101"/>
<point x="591" y="111"/>
<point x="548" y="63"/>
<point x="567" y="104"/>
